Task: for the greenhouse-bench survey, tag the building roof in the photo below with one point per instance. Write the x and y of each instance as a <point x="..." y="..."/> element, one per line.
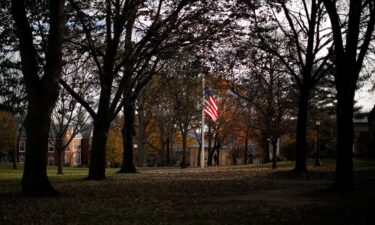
<point x="84" y="133"/>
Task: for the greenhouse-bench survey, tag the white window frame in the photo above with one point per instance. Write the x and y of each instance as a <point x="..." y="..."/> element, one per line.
<point x="22" y="146"/>
<point x="50" y="146"/>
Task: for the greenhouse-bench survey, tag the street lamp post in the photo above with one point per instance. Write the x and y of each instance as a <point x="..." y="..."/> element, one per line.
<point x="317" y="160"/>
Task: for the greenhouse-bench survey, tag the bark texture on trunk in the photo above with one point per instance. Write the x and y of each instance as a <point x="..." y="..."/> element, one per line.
<point x="35" y="181"/>
<point x="274" y="157"/>
<point x="98" y="150"/>
<point x="210" y="157"/>
<point x="127" y="134"/>
<point x="301" y="153"/>
<point x="246" y="147"/>
<point x="59" y="156"/>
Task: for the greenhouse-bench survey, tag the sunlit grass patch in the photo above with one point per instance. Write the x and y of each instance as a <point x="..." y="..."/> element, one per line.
<point x="363" y="165"/>
<point x="7" y="171"/>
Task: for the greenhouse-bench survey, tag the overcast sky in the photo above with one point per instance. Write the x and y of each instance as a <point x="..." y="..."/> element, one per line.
<point x="366" y="98"/>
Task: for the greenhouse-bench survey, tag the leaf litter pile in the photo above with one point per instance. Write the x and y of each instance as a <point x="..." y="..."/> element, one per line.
<point x="215" y="195"/>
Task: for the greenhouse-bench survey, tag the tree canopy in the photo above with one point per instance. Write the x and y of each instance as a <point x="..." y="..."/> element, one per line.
<point x="273" y="65"/>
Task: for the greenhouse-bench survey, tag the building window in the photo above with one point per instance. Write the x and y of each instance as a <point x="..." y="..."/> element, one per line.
<point x="22" y="146"/>
<point x="76" y="159"/>
<point x="51" y="148"/>
<point x="77" y="148"/>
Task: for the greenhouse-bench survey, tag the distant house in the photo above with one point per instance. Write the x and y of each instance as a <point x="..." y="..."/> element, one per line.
<point x="361" y="137"/>
<point x="75" y="154"/>
<point x="230" y="154"/>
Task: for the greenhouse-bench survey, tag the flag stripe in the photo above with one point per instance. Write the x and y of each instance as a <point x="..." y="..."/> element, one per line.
<point x="211" y="113"/>
<point x="213" y="103"/>
<point x="211" y="108"/>
<point x="208" y="113"/>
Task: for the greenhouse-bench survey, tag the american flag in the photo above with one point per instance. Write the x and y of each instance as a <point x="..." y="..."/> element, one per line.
<point x="211" y="108"/>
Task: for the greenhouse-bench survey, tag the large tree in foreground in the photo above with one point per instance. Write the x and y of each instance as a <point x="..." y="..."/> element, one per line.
<point x="351" y="45"/>
<point x="294" y="32"/>
<point x="42" y="88"/>
<point x="305" y="58"/>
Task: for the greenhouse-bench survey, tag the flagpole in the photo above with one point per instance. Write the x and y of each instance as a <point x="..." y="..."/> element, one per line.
<point x="202" y="131"/>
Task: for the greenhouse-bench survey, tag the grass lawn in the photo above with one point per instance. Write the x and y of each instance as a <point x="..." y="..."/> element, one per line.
<point x="216" y="195"/>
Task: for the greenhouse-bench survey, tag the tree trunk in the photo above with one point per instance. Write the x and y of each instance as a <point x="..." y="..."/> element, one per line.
<point x="210" y="157"/>
<point x="168" y="154"/>
<point x="35" y="181"/>
<point x="162" y="143"/>
<point x="59" y="161"/>
<point x="274" y="157"/>
<point x="102" y="123"/>
<point x="266" y="149"/>
<point x="127" y="135"/>
<point x="234" y="156"/>
<point x="183" y="162"/>
<point x="42" y="93"/>
<point x="170" y="146"/>
<point x="58" y="156"/>
<point x="348" y="62"/>
<point x="98" y="150"/>
<point x="301" y="131"/>
<point x="218" y="156"/>
<point x="246" y="148"/>
<point x="345" y="132"/>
